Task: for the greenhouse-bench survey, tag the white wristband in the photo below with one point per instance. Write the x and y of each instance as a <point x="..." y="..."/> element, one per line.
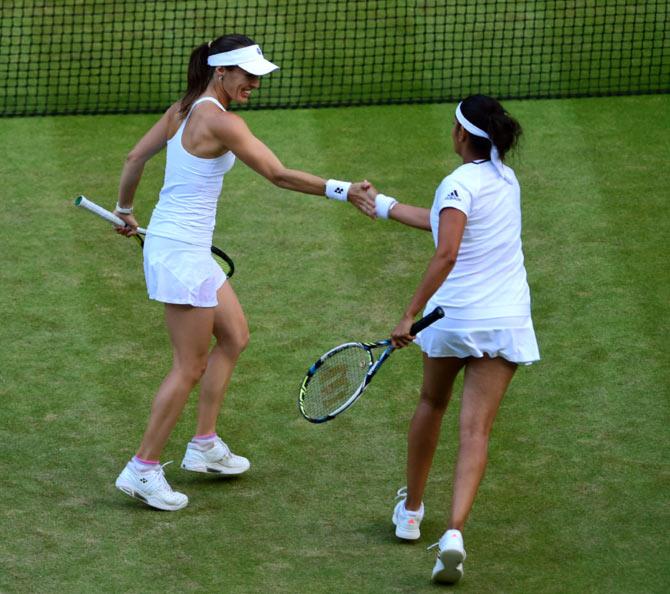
<point x="383" y="205"/>
<point x="122" y="210"/>
<point x="337" y="190"/>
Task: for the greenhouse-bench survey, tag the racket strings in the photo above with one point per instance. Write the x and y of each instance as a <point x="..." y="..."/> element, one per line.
<point x="335" y="381"/>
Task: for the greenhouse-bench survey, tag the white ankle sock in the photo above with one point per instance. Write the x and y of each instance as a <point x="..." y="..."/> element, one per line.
<point x="205" y="442"/>
<point x="144" y="465"/>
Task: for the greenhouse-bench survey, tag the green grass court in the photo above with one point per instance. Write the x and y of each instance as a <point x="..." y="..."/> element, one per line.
<point x="576" y="495"/>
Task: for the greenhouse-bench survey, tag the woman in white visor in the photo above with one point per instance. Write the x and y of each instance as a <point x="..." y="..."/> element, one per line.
<point x="203" y="139"/>
<point x="478" y="277"/>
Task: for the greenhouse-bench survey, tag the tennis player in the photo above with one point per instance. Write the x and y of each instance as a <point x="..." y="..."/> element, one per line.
<point x="477" y="275"/>
<point x="203" y="140"/>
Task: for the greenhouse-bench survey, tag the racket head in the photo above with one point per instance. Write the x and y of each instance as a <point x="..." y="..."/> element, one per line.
<point x="335" y="381"/>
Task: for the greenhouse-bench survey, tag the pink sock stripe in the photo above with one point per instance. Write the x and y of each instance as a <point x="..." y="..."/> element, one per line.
<point x="147" y="462"/>
<point x="206" y="436"/>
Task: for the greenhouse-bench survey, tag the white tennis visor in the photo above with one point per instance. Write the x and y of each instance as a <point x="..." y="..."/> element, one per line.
<point x="248" y="58"/>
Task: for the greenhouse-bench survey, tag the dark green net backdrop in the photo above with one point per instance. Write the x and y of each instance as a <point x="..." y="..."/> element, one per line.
<point x="104" y="56"/>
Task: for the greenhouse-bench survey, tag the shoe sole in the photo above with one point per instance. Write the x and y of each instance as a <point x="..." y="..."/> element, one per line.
<point x="447" y="576"/>
<point x="451" y="559"/>
<point x="150" y="501"/>
<point x="210" y="470"/>
<point x="405" y="534"/>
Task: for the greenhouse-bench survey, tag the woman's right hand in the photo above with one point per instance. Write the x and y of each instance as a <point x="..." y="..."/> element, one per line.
<point x="370" y="189"/>
<point x="400" y="337"/>
<point x="131" y="224"/>
<point x="358" y="195"/>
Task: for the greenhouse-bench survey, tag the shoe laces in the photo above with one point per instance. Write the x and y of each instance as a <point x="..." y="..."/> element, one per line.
<point x="159" y="477"/>
<point x="226" y="449"/>
<point x="437" y="544"/>
<point x="402" y="493"/>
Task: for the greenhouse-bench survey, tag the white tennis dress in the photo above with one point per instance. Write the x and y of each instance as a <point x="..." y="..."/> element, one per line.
<point x="178" y="264"/>
<point x="486" y="298"/>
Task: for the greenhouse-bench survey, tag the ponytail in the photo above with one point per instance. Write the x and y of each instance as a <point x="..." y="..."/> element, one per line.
<point x="198" y="77"/>
<point x="200" y="72"/>
<point x="505" y="132"/>
<point x="487" y="113"/>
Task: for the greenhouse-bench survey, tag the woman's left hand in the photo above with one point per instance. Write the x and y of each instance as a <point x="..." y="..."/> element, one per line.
<point x="359" y="197"/>
<point x="400" y="337"/>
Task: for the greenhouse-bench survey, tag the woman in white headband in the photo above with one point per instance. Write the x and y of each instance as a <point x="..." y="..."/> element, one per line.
<point x="203" y="140"/>
<point x="478" y="277"/>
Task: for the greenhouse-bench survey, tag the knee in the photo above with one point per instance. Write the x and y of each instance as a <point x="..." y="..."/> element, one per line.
<point x="192" y="371"/>
<point x="243" y="339"/>
<point x="474" y="433"/>
<point x="237" y="341"/>
<point x="436" y="402"/>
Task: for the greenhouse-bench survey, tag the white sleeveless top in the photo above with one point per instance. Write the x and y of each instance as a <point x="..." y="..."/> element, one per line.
<point x="186" y="209"/>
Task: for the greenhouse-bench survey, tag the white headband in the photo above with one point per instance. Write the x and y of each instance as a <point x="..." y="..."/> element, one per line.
<point x="248" y="58"/>
<point x="475" y="131"/>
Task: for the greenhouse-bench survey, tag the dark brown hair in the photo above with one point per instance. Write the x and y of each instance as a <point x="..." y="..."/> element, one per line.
<point x="200" y="73"/>
<point x="487" y="114"/>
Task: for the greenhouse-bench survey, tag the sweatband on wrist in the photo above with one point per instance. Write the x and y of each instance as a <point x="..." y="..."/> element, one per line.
<point x="337" y="190"/>
<point x="122" y="210"/>
<point x="383" y="205"/>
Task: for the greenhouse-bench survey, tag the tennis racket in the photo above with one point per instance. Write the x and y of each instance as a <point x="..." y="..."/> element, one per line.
<point x="340" y="376"/>
<point x="103" y="213"/>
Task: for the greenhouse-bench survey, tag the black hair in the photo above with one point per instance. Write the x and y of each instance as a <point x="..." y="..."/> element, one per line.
<point x="200" y="73"/>
<point x="487" y="114"/>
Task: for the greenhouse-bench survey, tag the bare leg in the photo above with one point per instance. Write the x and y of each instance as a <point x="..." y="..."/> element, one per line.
<point x="485" y="383"/>
<point x="438" y="380"/>
<point x="232" y="336"/>
<point x="190" y="330"/>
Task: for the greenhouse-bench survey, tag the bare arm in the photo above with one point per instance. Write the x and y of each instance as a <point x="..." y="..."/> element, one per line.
<point x="262" y="160"/>
<point x="150" y="144"/>
<point x="450" y="234"/>
<point x="412" y="216"/>
<point x="233" y="131"/>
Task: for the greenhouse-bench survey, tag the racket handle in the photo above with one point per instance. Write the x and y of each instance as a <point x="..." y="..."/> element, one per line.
<point x="103" y="213"/>
<point x="426" y="321"/>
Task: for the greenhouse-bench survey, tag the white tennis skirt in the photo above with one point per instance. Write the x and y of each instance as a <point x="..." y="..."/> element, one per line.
<point x="181" y="273"/>
<point x="510" y="338"/>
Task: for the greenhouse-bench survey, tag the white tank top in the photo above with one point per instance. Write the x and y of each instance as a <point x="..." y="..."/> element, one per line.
<point x="186" y="209"/>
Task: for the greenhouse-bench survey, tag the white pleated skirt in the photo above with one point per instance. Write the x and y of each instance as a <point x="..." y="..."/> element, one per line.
<point x="511" y="338"/>
<point x="181" y="273"/>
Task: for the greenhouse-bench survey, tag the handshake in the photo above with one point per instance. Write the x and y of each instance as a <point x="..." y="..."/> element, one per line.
<point x="366" y="198"/>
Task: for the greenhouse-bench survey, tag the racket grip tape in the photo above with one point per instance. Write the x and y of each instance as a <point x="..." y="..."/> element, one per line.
<point x="426" y="321"/>
<point x="103" y="213"/>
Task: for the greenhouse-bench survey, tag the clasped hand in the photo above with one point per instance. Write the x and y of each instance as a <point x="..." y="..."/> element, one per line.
<point x="362" y="198"/>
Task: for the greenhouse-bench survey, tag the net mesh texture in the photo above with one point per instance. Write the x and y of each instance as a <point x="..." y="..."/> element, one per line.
<point x="129" y="56"/>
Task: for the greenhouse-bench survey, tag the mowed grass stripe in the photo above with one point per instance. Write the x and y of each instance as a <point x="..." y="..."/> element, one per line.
<point x="577" y="454"/>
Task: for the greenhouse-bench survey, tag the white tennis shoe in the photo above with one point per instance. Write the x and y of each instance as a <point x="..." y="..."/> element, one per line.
<point x="151" y="487"/>
<point x="216" y="458"/>
<point x="450" y="556"/>
<point x="406" y="522"/>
